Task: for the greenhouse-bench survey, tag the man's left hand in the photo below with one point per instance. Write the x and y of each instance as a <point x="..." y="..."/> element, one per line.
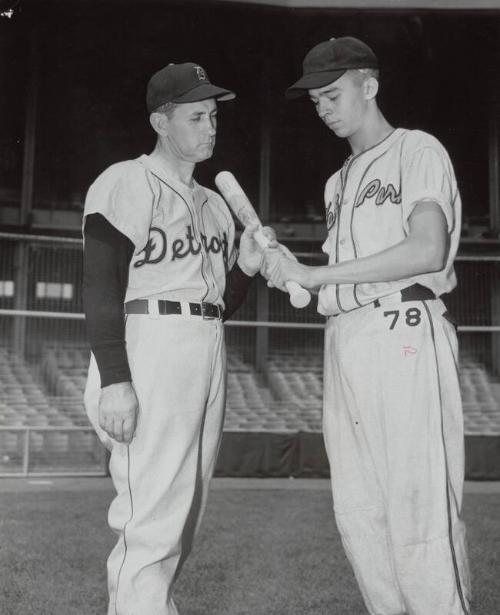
<point x="251" y="254"/>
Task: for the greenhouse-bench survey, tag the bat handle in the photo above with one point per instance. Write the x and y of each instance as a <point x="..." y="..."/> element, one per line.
<point x="299" y="297"/>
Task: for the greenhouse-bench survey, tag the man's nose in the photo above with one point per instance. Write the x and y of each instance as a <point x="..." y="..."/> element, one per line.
<point x="324" y="107"/>
<point x="211" y="127"/>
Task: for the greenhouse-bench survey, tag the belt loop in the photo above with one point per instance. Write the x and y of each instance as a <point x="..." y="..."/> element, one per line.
<point x="185" y="309"/>
<point x="153" y="308"/>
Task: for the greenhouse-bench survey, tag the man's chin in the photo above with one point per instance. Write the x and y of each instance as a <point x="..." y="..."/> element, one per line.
<point x="339" y="130"/>
<point x="205" y="153"/>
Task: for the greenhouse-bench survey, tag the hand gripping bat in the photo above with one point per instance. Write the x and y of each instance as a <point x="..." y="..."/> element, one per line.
<point x="242" y="208"/>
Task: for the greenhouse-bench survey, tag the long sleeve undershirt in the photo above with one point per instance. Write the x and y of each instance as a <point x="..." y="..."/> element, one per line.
<point x="106" y="258"/>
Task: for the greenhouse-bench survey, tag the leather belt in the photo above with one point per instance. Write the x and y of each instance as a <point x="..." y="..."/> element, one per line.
<point x="165" y="307"/>
<point x="415" y="292"/>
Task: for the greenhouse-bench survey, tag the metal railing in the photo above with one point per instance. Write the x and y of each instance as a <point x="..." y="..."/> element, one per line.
<point x="33" y="451"/>
<point x="41" y="316"/>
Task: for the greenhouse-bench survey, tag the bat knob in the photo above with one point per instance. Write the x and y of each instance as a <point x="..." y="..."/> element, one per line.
<point x="299" y="297"/>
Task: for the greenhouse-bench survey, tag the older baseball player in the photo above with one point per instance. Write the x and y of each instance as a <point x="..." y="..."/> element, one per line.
<point x="160" y="248"/>
<point x="393" y="421"/>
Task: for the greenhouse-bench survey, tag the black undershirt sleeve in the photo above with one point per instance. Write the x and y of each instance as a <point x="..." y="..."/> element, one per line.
<point x="237" y="285"/>
<point x="106" y="258"/>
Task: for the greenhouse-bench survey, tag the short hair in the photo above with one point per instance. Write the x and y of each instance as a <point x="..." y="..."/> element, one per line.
<point x="360" y="75"/>
<point x="167" y="108"/>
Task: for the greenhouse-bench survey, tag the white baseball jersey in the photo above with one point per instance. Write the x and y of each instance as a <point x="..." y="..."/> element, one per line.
<point x="183" y="238"/>
<point x="368" y="205"/>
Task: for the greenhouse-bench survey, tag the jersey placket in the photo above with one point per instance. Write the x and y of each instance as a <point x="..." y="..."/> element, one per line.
<point x="344" y="241"/>
<point x="206" y="266"/>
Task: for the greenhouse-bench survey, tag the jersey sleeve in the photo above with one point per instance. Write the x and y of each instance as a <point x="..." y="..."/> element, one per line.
<point x="123" y="195"/>
<point x="427" y="175"/>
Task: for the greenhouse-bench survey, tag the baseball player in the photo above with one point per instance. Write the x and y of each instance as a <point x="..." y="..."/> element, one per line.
<point x="160" y="247"/>
<point x="393" y="422"/>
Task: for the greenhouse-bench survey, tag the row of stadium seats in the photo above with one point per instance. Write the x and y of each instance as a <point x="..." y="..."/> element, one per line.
<point x="288" y="399"/>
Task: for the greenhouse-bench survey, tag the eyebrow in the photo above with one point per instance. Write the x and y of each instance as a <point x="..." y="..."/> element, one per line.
<point x="198" y="113"/>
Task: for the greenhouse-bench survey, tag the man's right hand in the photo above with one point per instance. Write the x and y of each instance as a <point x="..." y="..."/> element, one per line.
<point x="118" y="410"/>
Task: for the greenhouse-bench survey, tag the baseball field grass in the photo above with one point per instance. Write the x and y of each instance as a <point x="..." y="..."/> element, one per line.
<point x="266" y="547"/>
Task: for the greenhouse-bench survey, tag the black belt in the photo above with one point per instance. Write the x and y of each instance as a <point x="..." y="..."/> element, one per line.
<point x="165" y="307"/>
<point x="415" y="292"/>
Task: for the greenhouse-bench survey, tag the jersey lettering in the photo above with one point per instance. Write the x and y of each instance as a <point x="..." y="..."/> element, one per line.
<point x="193" y="247"/>
<point x="381" y="193"/>
<point x="331" y="212"/>
<point x="155" y="249"/>
<point x="181" y="248"/>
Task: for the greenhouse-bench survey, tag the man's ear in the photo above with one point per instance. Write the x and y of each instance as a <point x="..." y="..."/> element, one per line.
<point x="159" y="122"/>
<point x="370" y="88"/>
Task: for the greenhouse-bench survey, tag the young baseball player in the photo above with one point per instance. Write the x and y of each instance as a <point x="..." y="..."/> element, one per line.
<point x="159" y="248"/>
<point x="393" y="422"/>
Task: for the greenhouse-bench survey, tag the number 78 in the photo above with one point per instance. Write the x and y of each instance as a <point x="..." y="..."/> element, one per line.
<point x="413" y="317"/>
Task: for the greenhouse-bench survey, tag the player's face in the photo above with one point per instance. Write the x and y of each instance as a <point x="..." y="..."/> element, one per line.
<point x="191" y="129"/>
<point x="341" y="105"/>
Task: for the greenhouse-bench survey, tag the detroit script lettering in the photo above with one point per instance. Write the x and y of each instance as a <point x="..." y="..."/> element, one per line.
<point x="157" y="246"/>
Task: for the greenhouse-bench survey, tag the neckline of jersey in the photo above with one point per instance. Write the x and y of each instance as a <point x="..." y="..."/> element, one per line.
<point x="385" y="141"/>
<point x="163" y="176"/>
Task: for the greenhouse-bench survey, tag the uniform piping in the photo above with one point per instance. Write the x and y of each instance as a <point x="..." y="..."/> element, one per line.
<point x="448" y="507"/>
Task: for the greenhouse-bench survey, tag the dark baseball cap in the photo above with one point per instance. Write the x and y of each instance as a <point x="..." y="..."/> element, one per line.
<point x="182" y="83"/>
<point x="329" y="60"/>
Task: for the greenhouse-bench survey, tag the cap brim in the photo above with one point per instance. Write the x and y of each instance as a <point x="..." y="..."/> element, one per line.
<point x="312" y="81"/>
<point x="204" y="91"/>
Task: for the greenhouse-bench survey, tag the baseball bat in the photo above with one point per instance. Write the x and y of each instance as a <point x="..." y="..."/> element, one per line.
<point x="242" y="208"/>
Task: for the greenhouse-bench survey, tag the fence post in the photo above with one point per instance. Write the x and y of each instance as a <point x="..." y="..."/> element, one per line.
<point x="494" y="194"/>
<point x="262" y="333"/>
<point x="27" y="191"/>
<point x="26" y="452"/>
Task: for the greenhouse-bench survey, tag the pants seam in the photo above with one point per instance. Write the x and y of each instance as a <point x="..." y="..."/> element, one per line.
<point x="458" y="581"/>
<point x="124" y="531"/>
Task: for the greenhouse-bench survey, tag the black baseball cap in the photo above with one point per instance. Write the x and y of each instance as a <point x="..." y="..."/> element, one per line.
<point x="182" y="83"/>
<point x="329" y="60"/>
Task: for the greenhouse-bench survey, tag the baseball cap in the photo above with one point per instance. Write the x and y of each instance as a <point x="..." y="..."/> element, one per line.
<point x="182" y="83"/>
<point x="329" y="60"/>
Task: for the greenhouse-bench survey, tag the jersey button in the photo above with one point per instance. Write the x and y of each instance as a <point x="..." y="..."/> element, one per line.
<point x="342" y="242"/>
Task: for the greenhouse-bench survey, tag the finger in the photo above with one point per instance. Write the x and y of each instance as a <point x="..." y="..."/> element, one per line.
<point x="128" y="429"/>
<point x="104" y="423"/>
<point x="270" y="233"/>
<point x="118" y="429"/>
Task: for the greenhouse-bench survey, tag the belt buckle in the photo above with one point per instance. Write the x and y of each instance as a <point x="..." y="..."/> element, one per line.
<point x="203" y="314"/>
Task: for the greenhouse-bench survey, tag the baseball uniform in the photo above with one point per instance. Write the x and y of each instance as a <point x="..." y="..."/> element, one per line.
<point x="393" y="420"/>
<point x="183" y="248"/>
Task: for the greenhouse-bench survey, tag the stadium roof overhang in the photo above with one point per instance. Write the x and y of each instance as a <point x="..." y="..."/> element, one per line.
<point x="370" y="5"/>
<point x="376" y="4"/>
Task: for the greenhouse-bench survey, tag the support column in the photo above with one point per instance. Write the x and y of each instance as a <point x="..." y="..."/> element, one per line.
<point x="262" y="341"/>
<point x="494" y="215"/>
<point x="21" y="257"/>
